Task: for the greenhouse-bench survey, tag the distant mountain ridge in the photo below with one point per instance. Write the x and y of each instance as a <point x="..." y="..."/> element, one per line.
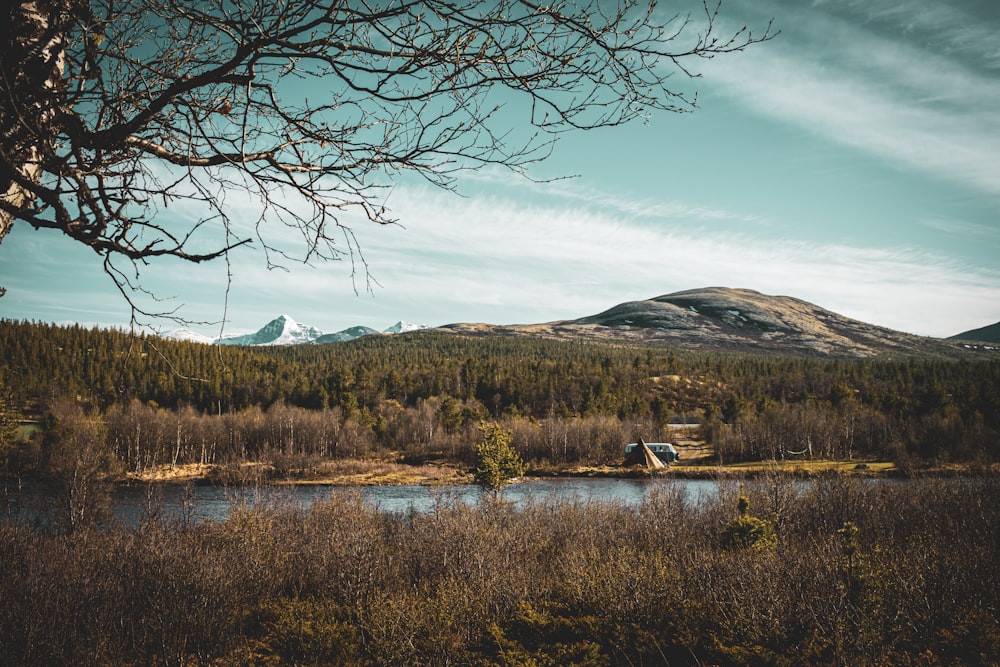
<point x="345" y="335"/>
<point x="987" y="334"/>
<point x="283" y="330"/>
<point x="734" y="320"/>
<point x="711" y="318"/>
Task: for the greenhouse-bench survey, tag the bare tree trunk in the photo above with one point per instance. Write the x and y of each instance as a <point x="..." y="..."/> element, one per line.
<point x="32" y="59"/>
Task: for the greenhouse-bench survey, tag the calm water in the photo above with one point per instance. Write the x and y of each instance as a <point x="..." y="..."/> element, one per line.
<point x="212" y="503"/>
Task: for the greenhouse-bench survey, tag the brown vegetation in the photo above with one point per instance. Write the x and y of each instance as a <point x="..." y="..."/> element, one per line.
<point x="860" y="572"/>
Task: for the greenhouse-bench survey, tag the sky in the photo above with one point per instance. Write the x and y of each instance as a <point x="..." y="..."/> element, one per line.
<point x="853" y="162"/>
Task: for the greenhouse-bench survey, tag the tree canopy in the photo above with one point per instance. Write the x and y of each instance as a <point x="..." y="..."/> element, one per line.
<point x="115" y="110"/>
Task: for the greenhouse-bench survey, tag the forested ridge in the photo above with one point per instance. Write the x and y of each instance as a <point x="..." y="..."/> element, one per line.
<point x="532" y="376"/>
<point x="425" y="392"/>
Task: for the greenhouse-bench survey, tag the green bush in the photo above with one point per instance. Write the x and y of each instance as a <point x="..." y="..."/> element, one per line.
<point x="497" y="462"/>
<point x="748" y="532"/>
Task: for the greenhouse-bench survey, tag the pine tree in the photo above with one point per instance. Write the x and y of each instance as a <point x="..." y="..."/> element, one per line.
<point x="747" y="531"/>
<point x="497" y="462"/>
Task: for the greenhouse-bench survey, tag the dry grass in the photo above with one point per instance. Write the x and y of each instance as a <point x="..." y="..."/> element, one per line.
<point x="368" y="472"/>
<point x="345" y="472"/>
<point x="173" y="473"/>
<point x="813" y="467"/>
<point x="547" y="583"/>
<point x="692" y="451"/>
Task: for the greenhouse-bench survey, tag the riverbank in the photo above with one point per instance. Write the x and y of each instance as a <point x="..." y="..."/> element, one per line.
<point x="367" y="472"/>
<point x="796" y="469"/>
<point x="341" y="472"/>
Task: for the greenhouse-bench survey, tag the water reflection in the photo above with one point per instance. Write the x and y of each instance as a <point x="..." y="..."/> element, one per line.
<point x="200" y="503"/>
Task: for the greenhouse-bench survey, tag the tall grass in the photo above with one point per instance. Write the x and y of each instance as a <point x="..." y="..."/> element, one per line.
<point x="545" y="583"/>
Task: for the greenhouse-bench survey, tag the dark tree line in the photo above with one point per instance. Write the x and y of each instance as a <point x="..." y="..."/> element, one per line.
<point x="162" y="401"/>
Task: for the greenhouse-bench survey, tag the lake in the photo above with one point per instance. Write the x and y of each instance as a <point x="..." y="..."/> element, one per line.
<point x="200" y="503"/>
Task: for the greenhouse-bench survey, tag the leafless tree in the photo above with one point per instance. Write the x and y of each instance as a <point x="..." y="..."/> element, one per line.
<point x="114" y="110"/>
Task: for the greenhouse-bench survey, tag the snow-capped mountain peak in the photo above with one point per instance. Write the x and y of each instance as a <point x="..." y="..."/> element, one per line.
<point x="403" y="327"/>
<point x="282" y="330"/>
<point x="188" y="335"/>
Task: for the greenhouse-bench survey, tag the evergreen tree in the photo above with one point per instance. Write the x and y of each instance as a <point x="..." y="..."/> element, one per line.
<point x="747" y="531"/>
<point x="497" y="462"/>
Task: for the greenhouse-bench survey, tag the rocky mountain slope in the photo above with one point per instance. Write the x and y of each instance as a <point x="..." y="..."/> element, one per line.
<point x="738" y="320"/>
<point x="345" y="335"/>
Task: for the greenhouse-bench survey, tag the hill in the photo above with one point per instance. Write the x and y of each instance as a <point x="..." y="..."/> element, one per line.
<point x="707" y="319"/>
<point x="987" y="334"/>
<point x="733" y="320"/>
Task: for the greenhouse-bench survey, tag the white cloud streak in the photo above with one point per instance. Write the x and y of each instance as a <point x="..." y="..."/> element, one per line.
<point x="569" y="190"/>
<point x="877" y="92"/>
<point x="490" y="257"/>
<point x="502" y="260"/>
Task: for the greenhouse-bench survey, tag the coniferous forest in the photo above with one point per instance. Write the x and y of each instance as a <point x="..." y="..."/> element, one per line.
<point x="155" y="401"/>
<point x="842" y="570"/>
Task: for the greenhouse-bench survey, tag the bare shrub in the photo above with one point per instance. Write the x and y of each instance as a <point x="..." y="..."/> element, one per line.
<point x="908" y="579"/>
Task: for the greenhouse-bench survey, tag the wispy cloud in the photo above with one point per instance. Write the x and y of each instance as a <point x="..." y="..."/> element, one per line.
<point x="964" y="228"/>
<point x="876" y="89"/>
<point x="949" y="27"/>
<point x="491" y="257"/>
<point x="502" y="260"/>
<point x="628" y="204"/>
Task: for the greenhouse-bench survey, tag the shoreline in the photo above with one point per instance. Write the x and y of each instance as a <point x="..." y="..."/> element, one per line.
<point x="354" y="472"/>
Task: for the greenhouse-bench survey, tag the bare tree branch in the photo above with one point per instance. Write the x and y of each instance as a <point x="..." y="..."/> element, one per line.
<point x="112" y="110"/>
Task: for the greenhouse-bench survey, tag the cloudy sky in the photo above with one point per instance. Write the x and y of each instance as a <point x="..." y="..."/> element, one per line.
<point x="853" y="162"/>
